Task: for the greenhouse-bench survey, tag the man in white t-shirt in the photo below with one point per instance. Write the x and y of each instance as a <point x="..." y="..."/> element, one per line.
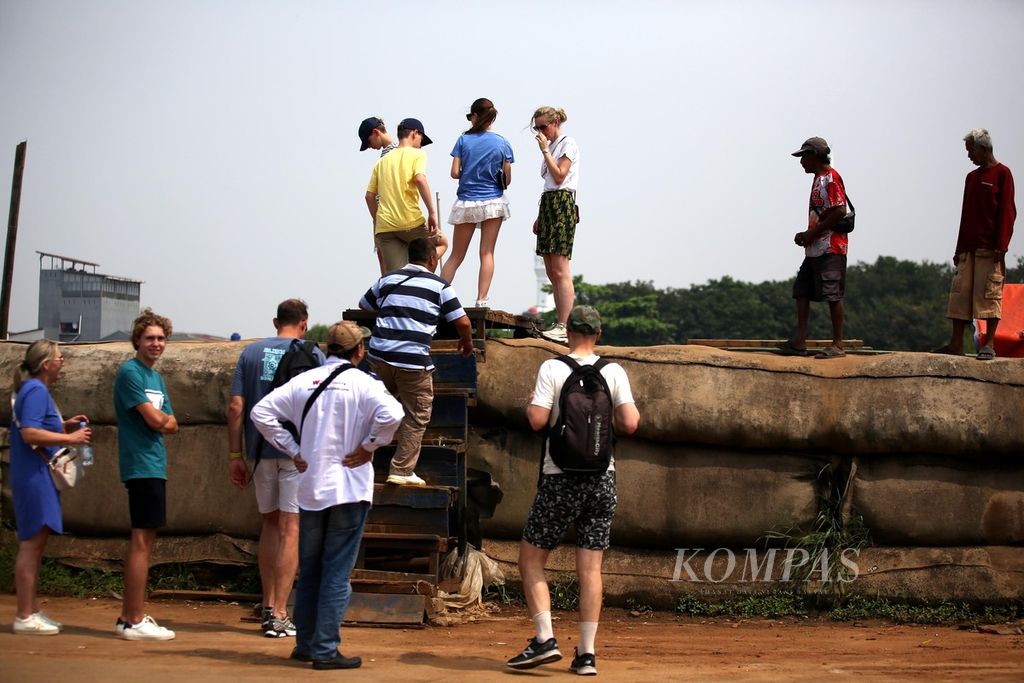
<point x="586" y="501"/>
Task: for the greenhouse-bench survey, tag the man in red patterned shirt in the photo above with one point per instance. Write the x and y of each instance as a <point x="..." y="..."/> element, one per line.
<point x="822" y="275"/>
<point x="986" y="225"/>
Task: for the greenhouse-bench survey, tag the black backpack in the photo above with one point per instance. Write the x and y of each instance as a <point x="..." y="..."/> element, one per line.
<point x="582" y="439"/>
<point x="293" y="363"/>
<point x="296" y="360"/>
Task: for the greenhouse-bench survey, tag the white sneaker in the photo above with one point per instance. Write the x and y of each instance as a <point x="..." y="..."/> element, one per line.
<point x="482" y="303"/>
<point x="35" y="625"/>
<point x="147" y="629"/>
<point x="556" y="334"/>
<point x="46" y="617"/>
<point x="411" y="480"/>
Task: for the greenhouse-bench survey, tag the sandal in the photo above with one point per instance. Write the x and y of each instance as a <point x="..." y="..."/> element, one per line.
<point x="986" y="353"/>
<point x="830" y="352"/>
<point x="786" y="348"/>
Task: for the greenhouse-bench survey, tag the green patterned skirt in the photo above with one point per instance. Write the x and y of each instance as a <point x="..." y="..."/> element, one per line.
<point x="558" y="217"/>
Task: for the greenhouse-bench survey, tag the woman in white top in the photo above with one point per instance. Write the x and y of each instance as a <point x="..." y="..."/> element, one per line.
<point x="555" y="226"/>
<point x="482" y="163"/>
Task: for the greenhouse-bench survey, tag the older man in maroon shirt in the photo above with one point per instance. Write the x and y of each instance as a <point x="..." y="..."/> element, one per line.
<point x="986" y="225"/>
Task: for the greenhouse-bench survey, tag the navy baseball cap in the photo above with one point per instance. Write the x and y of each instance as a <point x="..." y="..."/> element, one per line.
<point x="414" y="124"/>
<point x="366" y="128"/>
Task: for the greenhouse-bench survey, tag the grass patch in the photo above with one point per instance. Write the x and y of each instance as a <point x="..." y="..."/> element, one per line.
<point x="511" y="596"/>
<point x="942" y="613"/>
<point x="853" y="608"/>
<point x="59" y="579"/>
<point x="565" y="592"/>
<point x="774" y="605"/>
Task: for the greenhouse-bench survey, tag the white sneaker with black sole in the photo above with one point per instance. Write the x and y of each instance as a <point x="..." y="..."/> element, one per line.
<point x="536" y="654"/>
<point x="279" y="627"/>
<point x="583" y="664"/>
<point x="147" y="629"/>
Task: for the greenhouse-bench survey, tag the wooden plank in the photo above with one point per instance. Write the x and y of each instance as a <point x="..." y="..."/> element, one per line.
<point x="492" y="319"/>
<point x="436" y="497"/>
<point x="383" y="608"/>
<point x="451" y="368"/>
<point x="398" y="519"/>
<point x="770" y="343"/>
<point x="438" y="465"/>
<point x="374" y="575"/>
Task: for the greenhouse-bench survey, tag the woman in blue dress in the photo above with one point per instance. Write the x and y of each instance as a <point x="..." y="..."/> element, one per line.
<point x="482" y="163"/>
<point x="37" y="425"/>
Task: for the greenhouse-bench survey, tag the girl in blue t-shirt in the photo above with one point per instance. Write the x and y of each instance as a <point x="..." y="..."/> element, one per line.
<point x="482" y="163"/>
<point x="37" y="430"/>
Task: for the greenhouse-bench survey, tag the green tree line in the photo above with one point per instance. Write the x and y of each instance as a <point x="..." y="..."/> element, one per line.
<point x="891" y="304"/>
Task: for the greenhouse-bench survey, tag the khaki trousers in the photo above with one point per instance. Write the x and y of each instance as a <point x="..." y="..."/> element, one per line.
<point x="415" y="391"/>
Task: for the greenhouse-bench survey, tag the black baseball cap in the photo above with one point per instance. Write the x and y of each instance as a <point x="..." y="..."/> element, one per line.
<point x="366" y="128"/>
<point x="414" y="124"/>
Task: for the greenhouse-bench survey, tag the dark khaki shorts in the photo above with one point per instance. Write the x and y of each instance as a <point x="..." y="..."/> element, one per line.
<point x="394" y="246"/>
<point x="821" y="278"/>
<point x="977" y="288"/>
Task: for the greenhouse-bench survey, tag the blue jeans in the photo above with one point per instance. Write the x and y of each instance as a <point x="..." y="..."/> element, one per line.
<point x="328" y="548"/>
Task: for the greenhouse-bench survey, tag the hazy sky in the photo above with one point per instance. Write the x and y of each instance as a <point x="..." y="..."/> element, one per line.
<point x="210" y="149"/>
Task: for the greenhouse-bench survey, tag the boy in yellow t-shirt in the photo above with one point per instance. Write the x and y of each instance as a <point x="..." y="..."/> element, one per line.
<point x="398" y="182"/>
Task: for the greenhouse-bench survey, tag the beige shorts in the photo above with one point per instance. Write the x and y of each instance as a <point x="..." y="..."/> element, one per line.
<point x="276" y="482"/>
<point x="977" y="289"/>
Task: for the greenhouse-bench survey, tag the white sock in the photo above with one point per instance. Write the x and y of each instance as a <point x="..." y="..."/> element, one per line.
<point x="542" y="623"/>
<point x="588" y="633"/>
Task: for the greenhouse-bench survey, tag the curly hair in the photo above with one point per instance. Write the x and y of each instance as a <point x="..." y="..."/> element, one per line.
<point x="149" y="319"/>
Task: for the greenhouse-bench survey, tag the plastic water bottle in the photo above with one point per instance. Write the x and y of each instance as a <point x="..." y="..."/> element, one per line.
<point x="88" y="456"/>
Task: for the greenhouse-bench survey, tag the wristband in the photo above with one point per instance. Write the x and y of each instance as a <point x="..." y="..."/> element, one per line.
<point x="234" y="455"/>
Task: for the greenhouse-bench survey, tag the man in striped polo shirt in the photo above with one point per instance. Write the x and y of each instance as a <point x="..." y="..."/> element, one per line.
<point x="409" y="303"/>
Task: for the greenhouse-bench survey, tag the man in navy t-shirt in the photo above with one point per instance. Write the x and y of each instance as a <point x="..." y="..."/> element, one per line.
<point x="273" y="473"/>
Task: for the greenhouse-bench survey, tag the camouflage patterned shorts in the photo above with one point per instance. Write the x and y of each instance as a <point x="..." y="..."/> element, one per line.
<point x="557" y="223"/>
<point x="586" y="500"/>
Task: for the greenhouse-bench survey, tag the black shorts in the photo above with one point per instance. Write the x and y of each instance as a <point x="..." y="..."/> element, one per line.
<point x="586" y="500"/>
<point x="821" y="278"/>
<point x="147" y="503"/>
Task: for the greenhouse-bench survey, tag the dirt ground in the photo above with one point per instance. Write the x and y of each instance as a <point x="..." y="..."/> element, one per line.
<point x="214" y="644"/>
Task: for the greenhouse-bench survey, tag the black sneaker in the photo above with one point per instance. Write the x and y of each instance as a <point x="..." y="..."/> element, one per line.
<point x="300" y="656"/>
<point x="536" y="654"/>
<point x="583" y="664"/>
<point x="339" y="661"/>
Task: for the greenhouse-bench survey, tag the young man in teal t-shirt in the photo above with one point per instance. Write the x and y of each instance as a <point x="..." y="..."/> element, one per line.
<point x="144" y="415"/>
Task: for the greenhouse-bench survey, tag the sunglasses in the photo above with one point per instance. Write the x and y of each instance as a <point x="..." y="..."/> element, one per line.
<point x="544" y="127"/>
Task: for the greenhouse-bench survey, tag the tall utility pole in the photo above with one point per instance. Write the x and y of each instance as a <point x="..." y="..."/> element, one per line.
<point x="12" y="238"/>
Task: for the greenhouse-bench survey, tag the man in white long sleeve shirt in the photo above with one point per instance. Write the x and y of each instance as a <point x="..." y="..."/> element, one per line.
<point x="350" y="417"/>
